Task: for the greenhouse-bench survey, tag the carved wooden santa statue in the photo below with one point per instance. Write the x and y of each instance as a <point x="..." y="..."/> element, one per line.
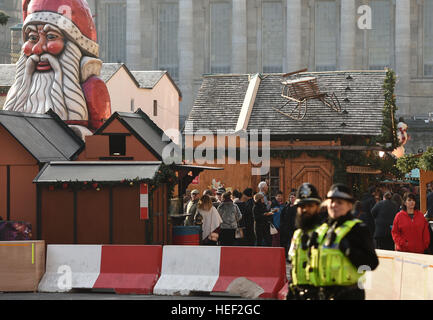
<point x="58" y="68"/>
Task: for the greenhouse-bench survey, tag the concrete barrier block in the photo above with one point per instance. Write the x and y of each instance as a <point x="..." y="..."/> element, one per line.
<point x="71" y="267"/>
<point x="188" y="268"/>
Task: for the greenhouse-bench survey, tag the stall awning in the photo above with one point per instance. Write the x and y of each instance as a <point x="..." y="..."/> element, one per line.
<point x="98" y="171"/>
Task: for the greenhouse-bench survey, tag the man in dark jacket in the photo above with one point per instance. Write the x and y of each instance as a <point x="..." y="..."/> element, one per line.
<point x="384" y="213"/>
<point x="262" y="217"/>
<point x="287" y="223"/>
<point x="430" y="205"/>
<point x="367" y="203"/>
<point x="247" y="220"/>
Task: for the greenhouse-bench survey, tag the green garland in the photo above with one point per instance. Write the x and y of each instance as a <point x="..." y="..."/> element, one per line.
<point x="425" y="162"/>
<point x="409" y="162"/>
<point x="388" y="137"/>
<point x="165" y="175"/>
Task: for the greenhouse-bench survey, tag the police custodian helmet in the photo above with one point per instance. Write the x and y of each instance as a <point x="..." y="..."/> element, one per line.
<point x="340" y="191"/>
<point x="307" y="193"/>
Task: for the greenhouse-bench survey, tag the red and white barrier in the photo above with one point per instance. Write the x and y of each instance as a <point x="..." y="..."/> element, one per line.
<point x="129" y="269"/>
<point x="125" y="269"/>
<point x="262" y="265"/>
<point x="188" y="269"/>
<point x="70" y="267"/>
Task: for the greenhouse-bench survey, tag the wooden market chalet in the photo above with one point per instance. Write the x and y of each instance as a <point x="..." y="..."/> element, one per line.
<point x="313" y="118"/>
<point x="76" y="192"/>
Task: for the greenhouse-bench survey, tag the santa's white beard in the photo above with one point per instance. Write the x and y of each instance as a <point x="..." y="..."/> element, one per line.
<point x="58" y="89"/>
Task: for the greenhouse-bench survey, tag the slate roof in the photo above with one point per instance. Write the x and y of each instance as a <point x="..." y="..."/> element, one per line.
<point x="142" y="79"/>
<point x="109" y="69"/>
<point x="45" y="136"/>
<point x="143" y="128"/>
<point x="220" y="99"/>
<point x="148" y="79"/>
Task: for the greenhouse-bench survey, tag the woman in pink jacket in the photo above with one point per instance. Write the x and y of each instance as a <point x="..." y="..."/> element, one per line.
<point x="410" y="229"/>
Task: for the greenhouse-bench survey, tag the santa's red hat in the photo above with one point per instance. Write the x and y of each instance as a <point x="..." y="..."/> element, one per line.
<point x="73" y="17"/>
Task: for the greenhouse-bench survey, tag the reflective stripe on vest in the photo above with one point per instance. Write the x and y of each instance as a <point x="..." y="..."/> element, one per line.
<point x="299" y="260"/>
<point x="329" y="265"/>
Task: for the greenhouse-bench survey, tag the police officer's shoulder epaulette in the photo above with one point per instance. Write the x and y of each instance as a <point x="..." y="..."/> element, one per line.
<point x="351" y="223"/>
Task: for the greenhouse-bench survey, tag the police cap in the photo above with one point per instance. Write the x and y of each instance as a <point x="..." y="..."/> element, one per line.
<point x="340" y="191"/>
<point x="307" y="193"/>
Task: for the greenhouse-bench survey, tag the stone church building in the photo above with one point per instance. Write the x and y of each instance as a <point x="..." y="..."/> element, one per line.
<point x="191" y="38"/>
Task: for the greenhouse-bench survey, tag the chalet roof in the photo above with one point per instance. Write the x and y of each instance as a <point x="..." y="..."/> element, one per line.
<point x="98" y="171"/>
<point x="45" y="136"/>
<point x="143" y="128"/>
<point x="109" y="69"/>
<point x="148" y="79"/>
<point x="7" y="75"/>
<point x="360" y="93"/>
<point x="104" y="171"/>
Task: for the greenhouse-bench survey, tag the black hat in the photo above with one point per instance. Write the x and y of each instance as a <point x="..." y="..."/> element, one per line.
<point x="221" y="190"/>
<point x="307" y="193"/>
<point x="248" y="192"/>
<point x="340" y="191"/>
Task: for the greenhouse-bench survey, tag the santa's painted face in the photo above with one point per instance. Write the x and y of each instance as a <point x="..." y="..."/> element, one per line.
<point x="48" y="75"/>
<point x="43" y="39"/>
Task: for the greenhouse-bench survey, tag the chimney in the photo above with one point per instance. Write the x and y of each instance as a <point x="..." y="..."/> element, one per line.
<point x="16" y="42"/>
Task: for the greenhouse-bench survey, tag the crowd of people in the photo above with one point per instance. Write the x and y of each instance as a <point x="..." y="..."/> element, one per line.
<point x="245" y="218"/>
<point x="251" y="218"/>
<point x="329" y="242"/>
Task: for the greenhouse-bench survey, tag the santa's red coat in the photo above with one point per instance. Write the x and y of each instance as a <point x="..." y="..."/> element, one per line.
<point x="98" y="103"/>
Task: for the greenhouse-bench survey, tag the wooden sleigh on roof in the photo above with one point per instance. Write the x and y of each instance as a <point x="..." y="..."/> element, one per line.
<point x="299" y="91"/>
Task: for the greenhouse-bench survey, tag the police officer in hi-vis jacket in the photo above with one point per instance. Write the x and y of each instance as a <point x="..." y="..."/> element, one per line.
<point x="343" y="251"/>
<point x="307" y="220"/>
